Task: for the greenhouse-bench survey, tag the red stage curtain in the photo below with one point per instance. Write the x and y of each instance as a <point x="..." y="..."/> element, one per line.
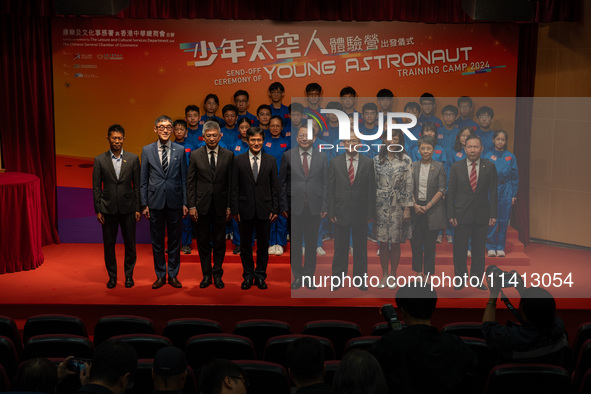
<point x="26" y="101"/>
<point x="26" y="108"/>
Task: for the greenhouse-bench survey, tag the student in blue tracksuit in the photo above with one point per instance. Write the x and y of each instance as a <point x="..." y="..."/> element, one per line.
<point x="508" y="176"/>
<point x="276" y="93"/>
<point x="485" y="116"/>
<point x="239" y="147"/>
<point x="180" y="137"/>
<point x="276" y="145"/>
<point x="414" y="108"/>
<point x="446" y="134"/>
<point x="241" y="101"/>
<point x="230" y="131"/>
<point x="349" y="100"/>
<point x="193" y="129"/>
<point x="428" y="107"/>
<point x="332" y="133"/>
<point x="457" y="153"/>
<point x="211" y="105"/>
<point x="465" y="114"/>
<point x="264" y="117"/>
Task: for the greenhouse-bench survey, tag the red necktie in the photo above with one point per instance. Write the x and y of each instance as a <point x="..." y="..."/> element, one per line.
<point x="473" y="177"/>
<point x="305" y="164"/>
<point x="351" y="172"/>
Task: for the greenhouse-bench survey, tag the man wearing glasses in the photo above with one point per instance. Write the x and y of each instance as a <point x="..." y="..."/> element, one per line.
<point x="164" y="199"/>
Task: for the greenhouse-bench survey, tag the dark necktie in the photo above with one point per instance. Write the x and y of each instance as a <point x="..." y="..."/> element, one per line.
<point x="305" y="164"/>
<point x="212" y="161"/>
<point x="255" y="168"/>
<point x="473" y="177"/>
<point x="164" y="159"/>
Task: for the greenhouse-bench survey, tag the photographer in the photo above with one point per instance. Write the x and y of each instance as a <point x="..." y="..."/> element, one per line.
<point x="541" y="336"/>
<point x="419" y="358"/>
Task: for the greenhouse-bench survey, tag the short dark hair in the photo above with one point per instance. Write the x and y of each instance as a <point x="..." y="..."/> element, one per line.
<point x="412" y="104"/>
<point x="277" y="86"/>
<point x="296" y="107"/>
<point x="313" y="86"/>
<point x="212" y="96"/>
<point x="115" y="128"/>
<point x="464" y="99"/>
<point x="262" y="107"/>
<point x="429" y="126"/>
<point x="369" y="107"/>
<point x="162" y="118"/>
<point x="484" y="110"/>
<point x="473" y="137"/>
<point x="334" y="105"/>
<point x="358" y="373"/>
<point x="538" y="307"/>
<point x="348" y="90"/>
<point x="191" y="107"/>
<point x="37" y="375"/>
<point x="277" y="117"/>
<point x="229" y="107"/>
<point x="426" y="97"/>
<point x="305" y="359"/>
<point x="214" y="372"/>
<point x="179" y="122"/>
<point x="427" y="139"/>
<point x="112" y="360"/>
<point x="417" y="301"/>
<point x="243" y="120"/>
<point x="241" y="93"/>
<point x="385" y="93"/>
<point x="450" y="108"/>
<point x="254" y="131"/>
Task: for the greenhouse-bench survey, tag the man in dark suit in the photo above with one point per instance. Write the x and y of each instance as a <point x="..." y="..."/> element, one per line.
<point x="471" y="208"/>
<point x="208" y="194"/>
<point x="164" y="198"/>
<point x="255" y="204"/>
<point x="302" y="195"/>
<point x="116" y="194"/>
<point x="351" y="205"/>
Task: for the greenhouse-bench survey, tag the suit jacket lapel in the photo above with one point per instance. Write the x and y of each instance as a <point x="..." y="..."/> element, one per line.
<point x="110" y="164"/>
<point x="205" y="159"/>
<point x="249" y="168"/>
<point x="124" y="158"/>
<point x="297" y="162"/>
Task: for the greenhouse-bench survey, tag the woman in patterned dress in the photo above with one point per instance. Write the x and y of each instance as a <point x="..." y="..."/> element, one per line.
<point x="393" y="202"/>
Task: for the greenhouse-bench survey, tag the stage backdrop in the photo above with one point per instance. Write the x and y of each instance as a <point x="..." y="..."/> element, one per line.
<point x="131" y="71"/>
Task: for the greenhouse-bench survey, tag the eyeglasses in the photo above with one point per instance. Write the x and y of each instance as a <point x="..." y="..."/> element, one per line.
<point x="244" y="380"/>
<point x="484" y="116"/>
<point x="162" y="127"/>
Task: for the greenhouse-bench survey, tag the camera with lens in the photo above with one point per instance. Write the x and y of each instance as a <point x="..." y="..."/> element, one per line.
<point x="77" y="364"/>
<point x="391" y="317"/>
<point x="498" y="278"/>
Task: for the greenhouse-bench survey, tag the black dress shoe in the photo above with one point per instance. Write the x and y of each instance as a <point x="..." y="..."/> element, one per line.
<point x="246" y="284"/>
<point x="296" y="284"/>
<point x="129" y="282"/>
<point x="174" y="282"/>
<point x="311" y="287"/>
<point x="482" y="287"/>
<point x="460" y="287"/>
<point x="159" y="283"/>
<point x="218" y="282"/>
<point x="111" y="283"/>
<point x="363" y="288"/>
<point x="260" y="282"/>
<point x="206" y="281"/>
<point x="236" y="250"/>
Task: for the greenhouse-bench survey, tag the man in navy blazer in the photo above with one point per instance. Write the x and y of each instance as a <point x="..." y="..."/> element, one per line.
<point x="255" y="204"/>
<point x="302" y="196"/>
<point x="163" y="195"/>
<point x="472" y="202"/>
